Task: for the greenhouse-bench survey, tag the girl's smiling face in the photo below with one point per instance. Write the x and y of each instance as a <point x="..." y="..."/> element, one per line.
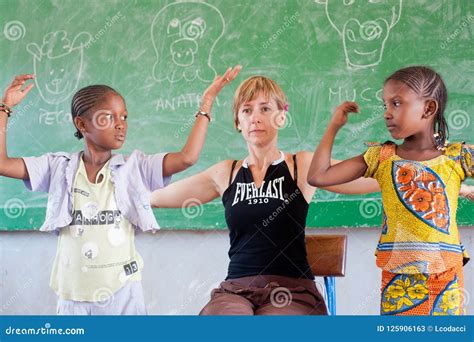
<point x="259" y="120"/>
<point x="405" y="111"/>
<point x="105" y="124"/>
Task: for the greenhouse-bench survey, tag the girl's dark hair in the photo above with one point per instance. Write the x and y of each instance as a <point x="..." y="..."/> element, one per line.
<point x="427" y="83"/>
<point x="86" y="98"/>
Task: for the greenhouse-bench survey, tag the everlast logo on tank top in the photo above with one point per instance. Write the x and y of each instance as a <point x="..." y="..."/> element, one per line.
<point x="249" y="192"/>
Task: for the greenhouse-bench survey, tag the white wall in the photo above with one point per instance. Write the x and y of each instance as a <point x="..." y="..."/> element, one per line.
<point x="181" y="267"/>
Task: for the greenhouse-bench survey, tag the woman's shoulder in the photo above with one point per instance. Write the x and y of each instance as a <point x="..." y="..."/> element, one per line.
<point x="223" y="168"/>
<point x="303" y="161"/>
<point x="301" y="156"/>
<point x="225" y="164"/>
<point x="222" y="172"/>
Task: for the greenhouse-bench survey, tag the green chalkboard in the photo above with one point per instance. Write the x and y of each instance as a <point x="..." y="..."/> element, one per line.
<point x="161" y="55"/>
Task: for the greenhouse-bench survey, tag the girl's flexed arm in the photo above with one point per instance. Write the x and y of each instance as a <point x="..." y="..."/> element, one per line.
<point x="178" y="161"/>
<point x="321" y="173"/>
<point x="14" y="94"/>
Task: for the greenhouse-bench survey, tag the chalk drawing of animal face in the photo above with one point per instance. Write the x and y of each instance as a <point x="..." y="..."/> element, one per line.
<point x="58" y="65"/>
<point x="364" y="26"/>
<point x="184" y="35"/>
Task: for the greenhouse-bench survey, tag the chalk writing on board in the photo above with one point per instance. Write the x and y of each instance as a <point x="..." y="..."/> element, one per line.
<point x="49" y="118"/>
<point x="189" y="100"/>
<point x="184" y="35"/>
<point x="364" y="33"/>
<point x="58" y="64"/>
<point x="366" y="94"/>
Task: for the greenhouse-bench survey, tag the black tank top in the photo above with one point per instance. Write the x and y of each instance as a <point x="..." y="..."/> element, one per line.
<point x="266" y="224"/>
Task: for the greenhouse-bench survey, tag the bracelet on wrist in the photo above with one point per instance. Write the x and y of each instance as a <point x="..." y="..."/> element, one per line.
<point x="201" y="113"/>
<point x="6" y="109"/>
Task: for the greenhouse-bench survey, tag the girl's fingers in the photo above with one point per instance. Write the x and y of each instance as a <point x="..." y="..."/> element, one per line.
<point x="22" y="78"/>
<point x="351" y="106"/>
<point x="18" y="84"/>
<point x="28" y="88"/>
<point x="352" y="109"/>
<point x="15" y="83"/>
<point x="19" y="80"/>
<point x="25" y="77"/>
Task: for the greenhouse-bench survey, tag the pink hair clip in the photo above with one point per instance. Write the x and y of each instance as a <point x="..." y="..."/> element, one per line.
<point x="285" y="107"/>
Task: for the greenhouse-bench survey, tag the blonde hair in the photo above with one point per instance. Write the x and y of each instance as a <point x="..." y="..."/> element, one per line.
<point x="254" y="86"/>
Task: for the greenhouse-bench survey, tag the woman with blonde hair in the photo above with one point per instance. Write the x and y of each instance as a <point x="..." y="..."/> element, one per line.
<point x="266" y="199"/>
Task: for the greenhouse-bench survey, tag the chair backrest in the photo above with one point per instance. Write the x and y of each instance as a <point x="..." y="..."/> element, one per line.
<point x="327" y="254"/>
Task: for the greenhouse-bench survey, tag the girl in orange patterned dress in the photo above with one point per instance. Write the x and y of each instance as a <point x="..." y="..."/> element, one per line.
<point x="419" y="251"/>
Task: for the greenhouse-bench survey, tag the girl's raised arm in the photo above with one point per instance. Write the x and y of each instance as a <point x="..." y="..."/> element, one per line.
<point x="178" y="161"/>
<point x="14" y="94"/>
<point x="321" y="173"/>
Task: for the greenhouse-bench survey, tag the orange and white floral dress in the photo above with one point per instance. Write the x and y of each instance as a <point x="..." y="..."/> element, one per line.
<point x="420" y="252"/>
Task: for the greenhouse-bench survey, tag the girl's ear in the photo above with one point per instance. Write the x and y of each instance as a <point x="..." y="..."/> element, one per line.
<point x="79" y="123"/>
<point x="431" y="108"/>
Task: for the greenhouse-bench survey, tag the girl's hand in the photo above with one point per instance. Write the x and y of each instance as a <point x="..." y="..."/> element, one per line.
<point x="14" y="94"/>
<point x="215" y="88"/>
<point x="467" y="191"/>
<point x="339" y="118"/>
